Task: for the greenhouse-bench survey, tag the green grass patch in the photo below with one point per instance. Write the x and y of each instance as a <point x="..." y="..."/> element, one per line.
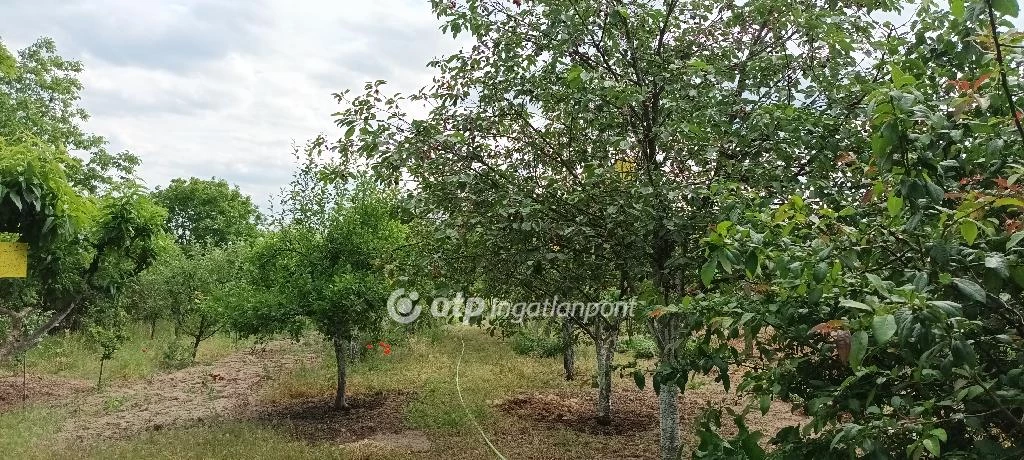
<point x="23" y="431"/>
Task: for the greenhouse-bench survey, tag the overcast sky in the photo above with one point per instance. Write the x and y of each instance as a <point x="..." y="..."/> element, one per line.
<point x="225" y="87"/>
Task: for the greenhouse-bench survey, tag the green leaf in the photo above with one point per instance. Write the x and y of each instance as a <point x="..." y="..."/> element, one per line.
<point x="1017" y="273"/>
<point x="1012" y="202"/>
<point x="764" y="404"/>
<point x="707" y="272"/>
<point x="939" y="434"/>
<point x="997" y="263"/>
<point x="751" y="264"/>
<point x="957" y="8"/>
<point x="638" y="377"/>
<point x="969" y="230"/>
<point x="855" y="305"/>
<point x="16" y="198"/>
<point x="575" y="76"/>
<point x="932" y="445"/>
<point x="884" y="326"/>
<point x="970" y="289"/>
<point x="940" y="253"/>
<point x="723" y="258"/>
<point x="935" y="193"/>
<point x="858" y="348"/>
<point x="877" y="283"/>
<point x="723" y="227"/>
<point x="1007" y="7"/>
<point x="1014" y="239"/>
<point x="963" y="353"/>
<point x="895" y="205"/>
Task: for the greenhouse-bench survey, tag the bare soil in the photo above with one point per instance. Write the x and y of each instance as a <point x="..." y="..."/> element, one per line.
<point x="634" y="430"/>
<point x="223" y="389"/>
<point x="632" y="411"/>
<point x="37" y="389"/>
<point x="313" y="420"/>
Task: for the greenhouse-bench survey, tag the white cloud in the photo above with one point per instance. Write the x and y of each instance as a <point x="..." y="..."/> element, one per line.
<point x="224" y="88"/>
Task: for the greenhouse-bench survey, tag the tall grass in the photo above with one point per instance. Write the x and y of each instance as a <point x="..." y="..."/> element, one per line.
<point x="73" y="355"/>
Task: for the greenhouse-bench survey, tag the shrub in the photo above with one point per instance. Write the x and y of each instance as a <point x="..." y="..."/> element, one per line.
<point x="530" y="343"/>
<point x="176" y="355"/>
<point x="639" y="347"/>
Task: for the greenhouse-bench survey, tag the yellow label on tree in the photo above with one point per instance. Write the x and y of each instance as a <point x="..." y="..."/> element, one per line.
<point x="13" y="260"/>
<point x="623" y="166"/>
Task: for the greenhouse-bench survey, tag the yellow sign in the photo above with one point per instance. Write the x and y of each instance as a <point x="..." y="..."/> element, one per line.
<point x="13" y="260"/>
<point x="625" y="168"/>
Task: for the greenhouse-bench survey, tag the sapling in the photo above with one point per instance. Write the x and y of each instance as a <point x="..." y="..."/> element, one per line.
<point x="107" y="330"/>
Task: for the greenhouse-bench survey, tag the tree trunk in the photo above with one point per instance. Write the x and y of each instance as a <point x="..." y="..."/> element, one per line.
<point x="666" y="333"/>
<point x="24" y="380"/>
<point x="340" y="350"/>
<point x="99" y="382"/>
<point x="569" y="350"/>
<point x="668" y="411"/>
<point x="195" y="345"/>
<point x="353" y="350"/>
<point x="152" y="328"/>
<point x="605" y="343"/>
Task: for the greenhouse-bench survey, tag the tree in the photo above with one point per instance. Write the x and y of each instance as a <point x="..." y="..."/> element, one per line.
<point x="328" y="267"/>
<point x="607" y="126"/>
<point x="198" y="290"/>
<point x="208" y="212"/>
<point x="82" y="248"/>
<point x="7" y="62"/>
<point x="39" y="94"/>
<point x="106" y="329"/>
<point x="887" y="296"/>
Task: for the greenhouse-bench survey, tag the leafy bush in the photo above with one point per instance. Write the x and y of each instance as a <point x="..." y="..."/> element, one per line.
<point x="176" y="355"/>
<point x="529" y="343"/>
<point x="639" y="346"/>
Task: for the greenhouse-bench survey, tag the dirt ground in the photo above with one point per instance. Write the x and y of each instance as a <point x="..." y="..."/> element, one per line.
<point x="312" y="420"/>
<point x="223" y="389"/>
<point x="634" y="430"/>
<point x="16" y="393"/>
<point x="373" y="423"/>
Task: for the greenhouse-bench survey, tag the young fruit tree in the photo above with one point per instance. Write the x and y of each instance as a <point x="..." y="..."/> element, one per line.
<point x="106" y="328"/>
<point x="199" y="290"/>
<point x="328" y="267"/>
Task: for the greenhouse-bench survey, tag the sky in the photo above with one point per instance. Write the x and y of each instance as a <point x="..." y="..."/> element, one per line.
<point x="225" y="87"/>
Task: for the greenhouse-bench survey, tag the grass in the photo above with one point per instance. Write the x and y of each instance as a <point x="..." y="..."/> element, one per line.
<point x="24" y="434"/>
<point x="427" y="364"/>
<point x="22" y="430"/>
<point x="222" y="439"/>
<point x="424" y="365"/>
<point x="73" y="355"/>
